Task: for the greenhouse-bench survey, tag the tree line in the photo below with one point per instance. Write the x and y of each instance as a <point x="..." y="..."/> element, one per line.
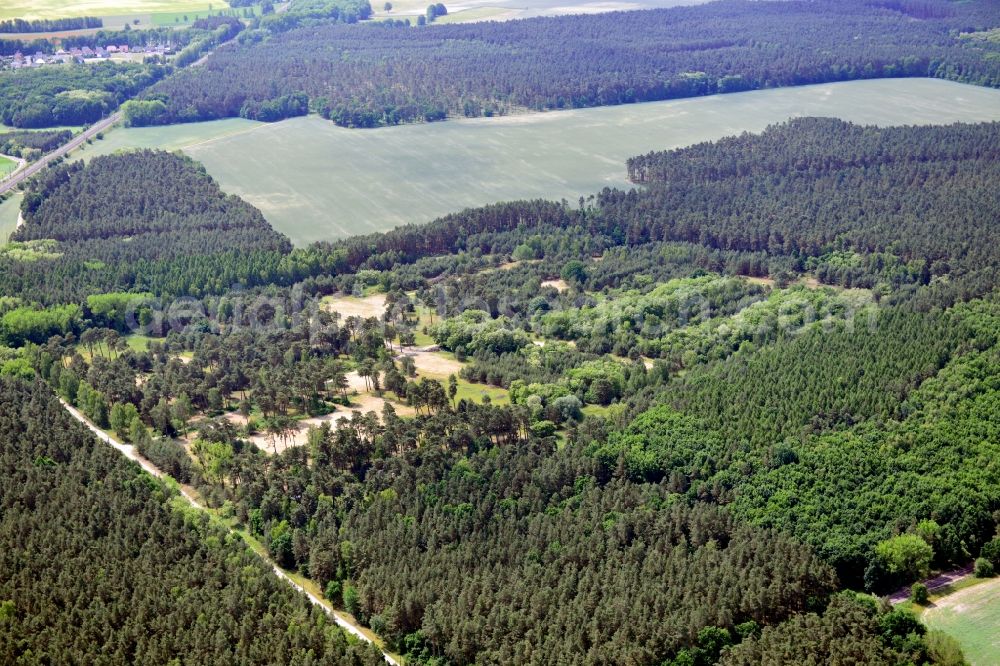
<point x="51" y="25"/>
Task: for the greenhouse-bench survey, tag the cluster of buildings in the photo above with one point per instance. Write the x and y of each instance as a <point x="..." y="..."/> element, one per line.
<point x="85" y="54"/>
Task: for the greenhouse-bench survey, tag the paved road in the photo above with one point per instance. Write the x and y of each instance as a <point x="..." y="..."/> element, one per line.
<point x="75" y="142"/>
<point x="933" y="584"/>
<point x="129" y="452"/>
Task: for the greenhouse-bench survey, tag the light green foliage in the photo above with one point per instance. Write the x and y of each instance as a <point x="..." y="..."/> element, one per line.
<point x="473" y="330"/>
<point x="601" y="380"/>
<point x="674" y="304"/>
<point x="27" y="324"/>
<point x="543" y="428"/>
<point x="991" y="551"/>
<point x="906" y="554"/>
<point x="943" y="649"/>
<point x="93" y="404"/>
<point x="351" y="599"/>
<point x="215" y="458"/>
<point x="574" y="271"/>
<point x="113" y="310"/>
<point x="122" y="418"/>
<point x="662" y="442"/>
<point x="34" y="250"/>
<point x="140" y="113"/>
<point x="521" y="392"/>
<point x="17" y="367"/>
<point x="783" y="312"/>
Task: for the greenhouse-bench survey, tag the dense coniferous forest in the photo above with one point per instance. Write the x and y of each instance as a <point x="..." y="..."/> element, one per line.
<point x="99" y="565"/>
<point x="726" y="396"/>
<point x="71" y="94"/>
<point x="137" y="221"/>
<point x="366" y="76"/>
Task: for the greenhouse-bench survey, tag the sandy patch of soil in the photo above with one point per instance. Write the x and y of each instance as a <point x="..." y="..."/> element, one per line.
<point x="433" y="363"/>
<point x="362" y="403"/>
<point x="765" y="281"/>
<point x="810" y="282"/>
<point x="352" y="306"/>
<point x="558" y="285"/>
<point x="806" y="281"/>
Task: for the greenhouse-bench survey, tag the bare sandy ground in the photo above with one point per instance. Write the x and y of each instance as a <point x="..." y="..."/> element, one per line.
<point x="558" y="285"/>
<point x="433" y="363"/>
<point x="806" y="281"/>
<point x="352" y="306"/>
<point x="362" y="403"/>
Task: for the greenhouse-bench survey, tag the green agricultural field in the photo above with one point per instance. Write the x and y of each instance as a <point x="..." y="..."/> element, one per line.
<point x="476" y="14"/>
<point x="315" y="181"/>
<point x="493" y="10"/>
<point x="47" y="9"/>
<point x="171" y="137"/>
<point x="6" y="165"/>
<point x="9" y="210"/>
<point x="972" y="616"/>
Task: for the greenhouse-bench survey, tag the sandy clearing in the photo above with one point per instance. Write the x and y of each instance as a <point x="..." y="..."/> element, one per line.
<point x="765" y="281"/>
<point x="805" y="281"/>
<point x="810" y="282"/>
<point x="363" y="403"/>
<point x="352" y="306"/>
<point x="433" y="364"/>
<point x="558" y="285"/>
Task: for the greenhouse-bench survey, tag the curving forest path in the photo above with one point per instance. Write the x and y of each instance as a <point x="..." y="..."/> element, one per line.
<point x="129" y="452"/>
<point x="934" y="584"/>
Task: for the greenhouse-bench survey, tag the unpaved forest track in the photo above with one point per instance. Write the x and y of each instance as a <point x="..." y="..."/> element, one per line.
<point x="129" y="452"/>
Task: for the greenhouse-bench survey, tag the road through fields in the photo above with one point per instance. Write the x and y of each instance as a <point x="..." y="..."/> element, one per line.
<point x="33" y="168"/>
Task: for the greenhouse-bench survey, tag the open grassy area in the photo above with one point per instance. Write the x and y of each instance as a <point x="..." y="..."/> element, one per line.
<point x="8" y="216"/>
<point x="972" y="616"/>
<point x="476" y="14"/>
<point x="138" y="342"/>
<point x="47" y="9"/>
<point x="7" y="165"/>
<point x="171" y="137"/>
<point x="316" y="181"/>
